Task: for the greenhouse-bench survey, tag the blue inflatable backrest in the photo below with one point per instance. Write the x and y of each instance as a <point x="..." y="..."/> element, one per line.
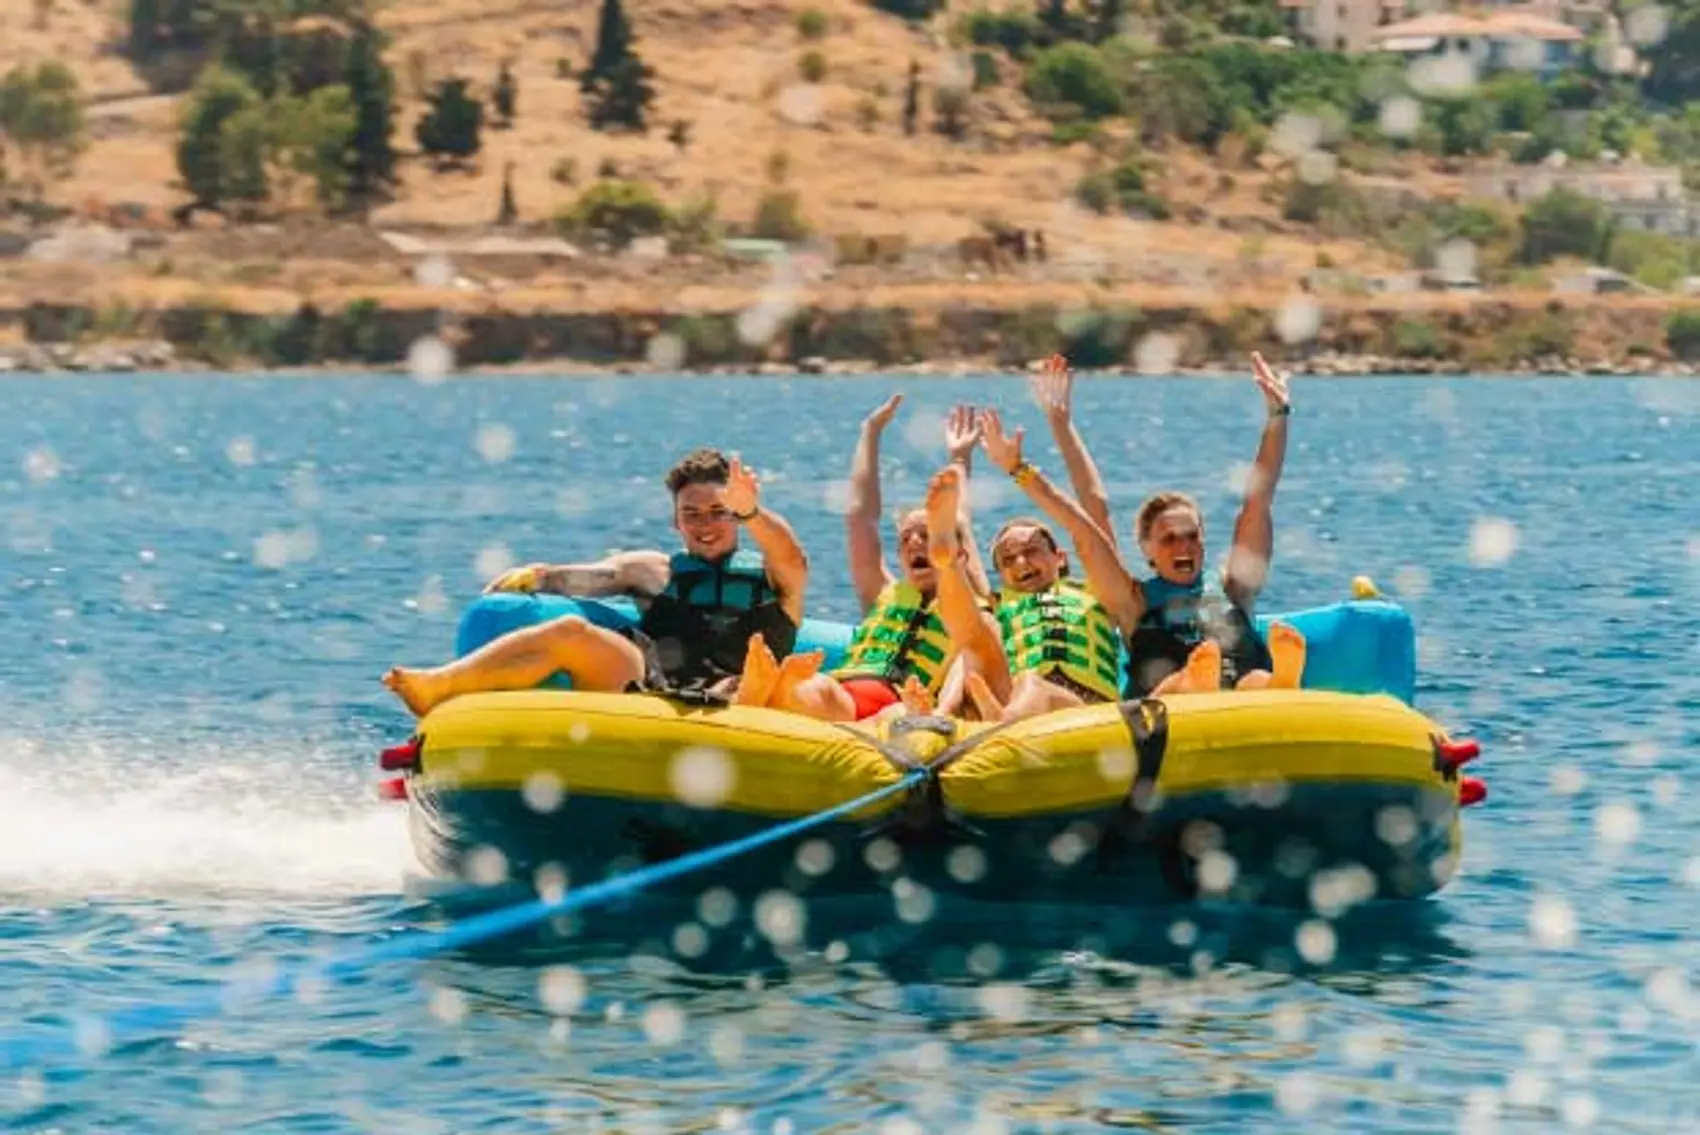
<point x="1361" y="646"/>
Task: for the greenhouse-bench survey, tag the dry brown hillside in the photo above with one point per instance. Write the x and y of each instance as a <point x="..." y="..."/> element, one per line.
<point x="730" y="69"/>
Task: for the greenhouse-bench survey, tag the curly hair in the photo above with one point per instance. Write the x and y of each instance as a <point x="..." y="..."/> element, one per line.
<point x="703" y="466"/>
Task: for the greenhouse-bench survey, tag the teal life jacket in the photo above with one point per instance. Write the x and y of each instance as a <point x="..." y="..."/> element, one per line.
<point x="701" y="622"/>
<point x="1177" y="618"/>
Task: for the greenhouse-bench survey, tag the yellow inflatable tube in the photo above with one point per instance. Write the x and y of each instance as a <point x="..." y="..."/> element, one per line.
<point x="592" y="783"/>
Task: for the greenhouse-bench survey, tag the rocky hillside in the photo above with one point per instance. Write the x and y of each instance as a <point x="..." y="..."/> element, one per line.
<point x="731" y="70"/>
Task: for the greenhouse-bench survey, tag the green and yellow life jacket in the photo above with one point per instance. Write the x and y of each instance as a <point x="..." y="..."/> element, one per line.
<point x="1065" y="630"/>
<point x="901" y="635"/>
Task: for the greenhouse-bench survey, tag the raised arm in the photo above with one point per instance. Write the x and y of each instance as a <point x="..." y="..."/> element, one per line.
<point x="868" y="573"/>
<point x="961" y="435"/>
<point x="1107" y="579"/>
<point x="1053" y="389"/>
<point x="787" y="563"/>
<point x="1254" y="529"/>
<point x="623" y="573"/>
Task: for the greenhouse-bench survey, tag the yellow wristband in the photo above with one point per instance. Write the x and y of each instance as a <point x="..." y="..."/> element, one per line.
<point x="1023" y="473"/>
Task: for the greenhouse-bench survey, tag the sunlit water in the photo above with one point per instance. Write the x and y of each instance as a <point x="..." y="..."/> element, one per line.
<point x="203" y="580"/>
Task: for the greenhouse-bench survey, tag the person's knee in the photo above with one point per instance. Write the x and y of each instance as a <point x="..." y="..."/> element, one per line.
<point x="820" y="696"/>
<point x="1254" y="680"/>
<point x="565" y="627"/>
<point x="1028" y="683"/>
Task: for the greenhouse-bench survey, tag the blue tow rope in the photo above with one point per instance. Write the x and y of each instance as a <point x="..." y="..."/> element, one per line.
<point x="93" y="1036"/>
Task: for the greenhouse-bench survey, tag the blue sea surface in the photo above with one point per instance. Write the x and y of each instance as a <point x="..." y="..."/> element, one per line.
<point x="203" y="579"/>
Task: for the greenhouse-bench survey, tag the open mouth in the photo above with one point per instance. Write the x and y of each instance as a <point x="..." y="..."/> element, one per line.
<point x="1185" y="565"/>
<point x="1024" y="578"/>
<point x="918" y="561"/>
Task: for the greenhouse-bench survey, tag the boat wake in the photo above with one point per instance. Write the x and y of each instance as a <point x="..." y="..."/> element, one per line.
<point x="92" y="819"/>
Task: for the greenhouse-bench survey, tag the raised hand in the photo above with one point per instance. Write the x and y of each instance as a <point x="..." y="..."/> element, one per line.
<point x="742" y="494"/>
<point x="961" y="432"/>
<point x="883" y="413"/>
<point x="1273" y="384"/>
<point x="1003" y="449"/>
<point x="1053" y="389"/>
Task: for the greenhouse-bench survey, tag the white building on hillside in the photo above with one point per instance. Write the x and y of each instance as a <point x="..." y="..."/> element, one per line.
<point x="1652" y="198"/>
<point x="1507" y="39"/>
<point x="1361" y="25"/>
<point x="1342" y="25"/>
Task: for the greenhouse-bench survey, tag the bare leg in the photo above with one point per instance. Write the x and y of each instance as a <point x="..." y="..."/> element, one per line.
<point x="1174" y="684"/>
<point x="991" y="709"/>
<point x="1034" y="695"/>
<point x="794" y="670"/>
<point x="820" y="696"/>
<point x="963" y="620"/>
<point x="952" y="692"/>
<point x="594" y="658"/>
<point x="761" y="674"/>
<point x="1255" y="680"/>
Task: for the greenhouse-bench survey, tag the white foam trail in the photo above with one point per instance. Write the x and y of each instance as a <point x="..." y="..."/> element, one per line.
<point x="81" y="820"/>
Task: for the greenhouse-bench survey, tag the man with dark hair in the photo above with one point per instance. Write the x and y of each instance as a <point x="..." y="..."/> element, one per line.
<point x="700" y="605"/>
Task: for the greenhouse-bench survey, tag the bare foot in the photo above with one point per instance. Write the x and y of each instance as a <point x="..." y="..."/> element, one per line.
<point x="944" y="496"/>
<point x="420" y="690"/>
<point x="794" y="670"/>
<point x="1287" y="649"/>
<point x="984" y="700"/>
<point x="915" y="697"/>
<point x="761" y="674"/>
<point x="1203" y="668"/>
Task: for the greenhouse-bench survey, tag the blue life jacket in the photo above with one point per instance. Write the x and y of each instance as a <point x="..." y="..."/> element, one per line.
<point x="701" y="622"/>
<point x="1180" y="616"/>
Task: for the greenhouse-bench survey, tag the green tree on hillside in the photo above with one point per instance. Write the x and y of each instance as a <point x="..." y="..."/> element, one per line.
<point x="1674" y="75"/>
<point x="370" y="160"/>
<point x="910" y="9"/>
<point x="218" y="98"/>
<point x="1562" y="223"/>
<point x="505" y="95"/>
<point x="311" y="140"/>
<point x="613" y="40"/>
<point x="41" y="114"/>
<point x="1074" y="75"/>
<point x="1107" y="19"/>
<point x="246" y="147"/>
<point x="618" y="86"/>
<point x="451" y="126"/>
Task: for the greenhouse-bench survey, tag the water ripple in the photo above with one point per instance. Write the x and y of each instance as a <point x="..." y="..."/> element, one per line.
<point x="203" y="596"/>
